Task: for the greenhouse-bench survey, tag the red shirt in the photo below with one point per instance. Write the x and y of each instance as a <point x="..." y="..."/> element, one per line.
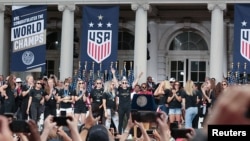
<point x="145" y="92"/>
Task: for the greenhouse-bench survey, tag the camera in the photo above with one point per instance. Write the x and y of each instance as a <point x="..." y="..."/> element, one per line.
<point x="143" y="108"/>
<point x="180" y="132"/>
<point x="61" y="121"/>
<point x="177" y="132"/>
<point x="19" y="126"/>
<point x="144" y="116"/>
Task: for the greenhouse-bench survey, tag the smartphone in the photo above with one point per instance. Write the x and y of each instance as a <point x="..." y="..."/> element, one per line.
<point x="19" y="126"/>
<point x="61" y="121"/>
<point x="9" y="115"/>
<point x="173" y="125"/>
<point x="144" y="116"/>
<point x="138" y="132"/>
<point x="150" y="132"/>
<point x="180" y="132"/>
<point x="63" y="113"/>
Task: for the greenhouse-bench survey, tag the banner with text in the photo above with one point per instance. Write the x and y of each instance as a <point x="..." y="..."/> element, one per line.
<point x="99" y="37"/>
<point x="28" y="38"/>
<point x="241" y="52"/>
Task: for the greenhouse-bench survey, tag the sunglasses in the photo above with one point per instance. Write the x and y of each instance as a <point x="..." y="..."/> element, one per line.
<point x="124" y="83"/>
<point x="144" y="87"/>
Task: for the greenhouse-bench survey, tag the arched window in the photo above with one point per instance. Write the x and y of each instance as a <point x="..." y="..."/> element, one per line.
<point x="125" y="40"/>
<point x="53" y="41"/>
<point x="188" y="40"/>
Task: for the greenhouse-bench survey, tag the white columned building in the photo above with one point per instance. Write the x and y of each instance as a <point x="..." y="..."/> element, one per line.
<point x="67" y="37"/>
<point x="217" y="40"/>
<point x="189" y="39"/>
<point x="140" y="52"/>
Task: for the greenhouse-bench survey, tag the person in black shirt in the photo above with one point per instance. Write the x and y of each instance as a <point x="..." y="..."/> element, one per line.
<point x="25" y="95"/>
<point x="174" y="102"/>
<point x="162" y="92"/>
<point x="80" y="97"/>
<point x="109" y="105"/>
<point x="195" y="122"/>
<point x="124" y="96"/>
<point x="18" y="99"/>
<point x="8" y="93"/>
<point x="51" y="97"/>
<point x="190" y="100"/>
<point x="96" y="99"/>
<point x="36" y="100"/>
<point x="2" y="82"/>
<point x="65" y="98"/>
<point x="151" y="86"/>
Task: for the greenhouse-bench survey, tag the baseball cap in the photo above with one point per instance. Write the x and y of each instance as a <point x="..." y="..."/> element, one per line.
<point x="19" y="80"/>
<point x="124" y="78"/>
<point x="172" y="79"/>
<point x="98" y="133"/>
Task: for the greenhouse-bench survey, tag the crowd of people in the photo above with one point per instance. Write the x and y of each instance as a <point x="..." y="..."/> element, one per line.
<point x="104" y="113"/>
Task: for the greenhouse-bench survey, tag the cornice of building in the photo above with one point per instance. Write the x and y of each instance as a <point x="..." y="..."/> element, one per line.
<point x="53" y="2"/>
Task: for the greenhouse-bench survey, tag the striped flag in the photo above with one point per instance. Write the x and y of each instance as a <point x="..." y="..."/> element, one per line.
<point x="241" y="36"/>
<point x="77" y="77"/>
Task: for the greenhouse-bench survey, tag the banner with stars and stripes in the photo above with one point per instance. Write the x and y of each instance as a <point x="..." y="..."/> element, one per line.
<point x="100" y="36"/>
<point x="241" y="38"/>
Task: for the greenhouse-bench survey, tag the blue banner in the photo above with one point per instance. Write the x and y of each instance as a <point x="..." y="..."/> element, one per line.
<point x="99" y="37"/>
<point x="28" y="38"/>
<point x="241" y="56"/>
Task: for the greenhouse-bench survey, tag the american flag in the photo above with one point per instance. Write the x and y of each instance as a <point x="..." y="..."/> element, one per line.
<point x="90" y="82"/>
<point x="110" y="75"/>
<point x="131" y="77"/>
<point x="231" y="80"/>
<point x="241" y="53"/>
<point x="77" y="77"/>
<point x="124" y="70"/>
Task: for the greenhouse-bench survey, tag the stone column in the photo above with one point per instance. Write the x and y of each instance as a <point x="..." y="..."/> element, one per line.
<point x="226" y="47"/>
<point x="7" y="46"/>
<point x="2" y="47"/>
<point x="217" y="41"/>
<point x="67" y="43"/>
<point x="140" y="52"/>
<point x="152" y="64"/>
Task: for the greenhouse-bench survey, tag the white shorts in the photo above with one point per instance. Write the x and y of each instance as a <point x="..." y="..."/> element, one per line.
<point x="68" y="110"/>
